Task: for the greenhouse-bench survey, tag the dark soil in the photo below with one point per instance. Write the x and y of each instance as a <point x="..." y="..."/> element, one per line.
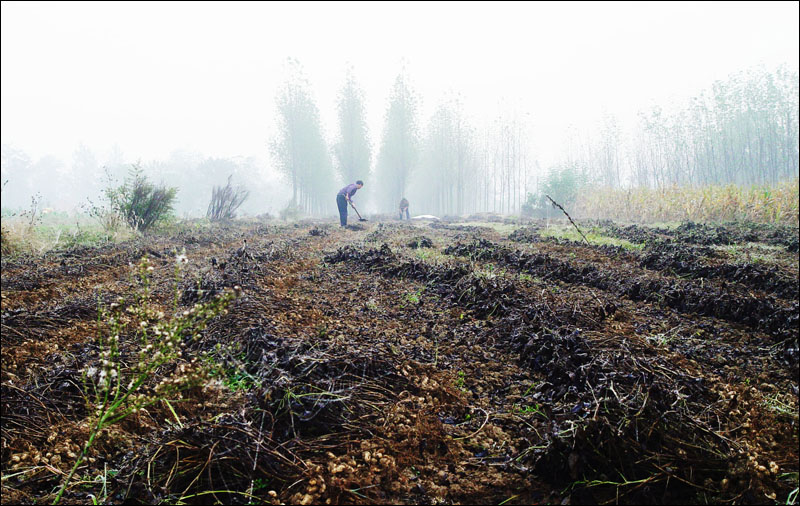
<point x="371" y="365"/>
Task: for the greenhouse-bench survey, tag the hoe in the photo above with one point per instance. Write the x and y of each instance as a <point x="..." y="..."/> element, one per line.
<point x="356" y="210"/>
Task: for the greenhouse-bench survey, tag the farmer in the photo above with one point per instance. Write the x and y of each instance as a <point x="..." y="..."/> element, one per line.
<point x="344" y="197"/>
<point x="404" y="208"/>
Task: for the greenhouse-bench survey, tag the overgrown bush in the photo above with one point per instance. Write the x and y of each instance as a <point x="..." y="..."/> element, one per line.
<point x="563" y="184"/>
<point x="141" y="203"/>
<point x="225" y="201"/>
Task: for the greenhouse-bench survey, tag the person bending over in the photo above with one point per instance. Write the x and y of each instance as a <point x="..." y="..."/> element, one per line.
<point x="345" y="197"/>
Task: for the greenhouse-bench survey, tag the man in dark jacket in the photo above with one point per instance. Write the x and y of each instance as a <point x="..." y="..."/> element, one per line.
<point x="344" y="197"/>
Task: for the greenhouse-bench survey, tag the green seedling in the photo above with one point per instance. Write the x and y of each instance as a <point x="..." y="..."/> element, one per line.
<point x="460" y="381"/>
<point x="414" y="297"/>
<point x="531" y="387"/>
<point x="526" y="409"/>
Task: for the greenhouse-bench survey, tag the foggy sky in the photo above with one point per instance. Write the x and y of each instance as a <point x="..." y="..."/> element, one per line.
<point x="155" y="77"/>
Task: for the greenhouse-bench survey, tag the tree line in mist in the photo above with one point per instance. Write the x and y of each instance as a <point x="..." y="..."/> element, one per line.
<point x="743" y="130"/>
<point x="80" y="182"/>
<point x="443" y="167"/>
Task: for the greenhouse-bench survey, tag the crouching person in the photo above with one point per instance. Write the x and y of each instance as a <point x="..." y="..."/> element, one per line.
<point x="404" y="209"/>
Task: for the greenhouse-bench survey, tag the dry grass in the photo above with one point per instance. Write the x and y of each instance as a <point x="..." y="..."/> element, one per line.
<point x="761" y="204"/>
<point x="19" y="236"/>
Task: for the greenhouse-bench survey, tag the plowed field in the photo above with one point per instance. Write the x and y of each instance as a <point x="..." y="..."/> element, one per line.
<point x="445" y="363"/>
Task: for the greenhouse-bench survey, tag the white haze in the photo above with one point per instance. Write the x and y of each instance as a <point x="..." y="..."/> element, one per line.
<point x="156" y="77"/>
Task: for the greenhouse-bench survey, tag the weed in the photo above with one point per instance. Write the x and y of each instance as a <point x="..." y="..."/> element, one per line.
<point x="531" y="387"/>
<point x="597" y="483"/>
<point x="594" y="235"/>
<point x="758" y="203"/>
<point x="112" y="392"/>
<point x="489" y="271"/>
<point x="781" y="405"/>
<point x="460" y="381"/>
<point x="21" y="235"/>
<point x="33" y="216"/>
<point x="792" y="497"/>
<point x="536" y="409"/>
<point x="430" y="255"/>
<point x="660" y="340"/>
<point x="234" y="378"/>
<point x="501" y="228"/>
<point x="260" y="483"/>
<point x="238" y="380"/>
<point x="792" y="478"/>
<point x="109" y="213"/>
<point x="756" y="253"/>
<point x="414" y="297"/>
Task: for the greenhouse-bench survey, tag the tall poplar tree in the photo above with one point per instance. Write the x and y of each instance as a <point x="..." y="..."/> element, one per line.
<point x="399" y="146"/>
<point x="353" y="150"/>
<point x="449" y="157"/>
<point x="299" y="149"/>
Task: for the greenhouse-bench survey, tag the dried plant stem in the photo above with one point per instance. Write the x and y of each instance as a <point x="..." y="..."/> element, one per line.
<point x="568" y="217"/>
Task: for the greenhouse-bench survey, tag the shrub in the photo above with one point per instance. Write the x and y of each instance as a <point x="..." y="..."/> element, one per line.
<point x="141" y="203"/>
<point x="225" y="201"/>
<point x="563" y="184"/>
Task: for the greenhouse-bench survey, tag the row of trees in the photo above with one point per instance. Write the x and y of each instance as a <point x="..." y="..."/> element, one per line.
<point x="447" y="167"/>
<point x="743" y="130"/>
<point x="300" y="150"/>
<point x="466" y="170"/>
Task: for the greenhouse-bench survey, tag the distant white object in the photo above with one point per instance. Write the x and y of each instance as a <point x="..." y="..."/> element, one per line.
<point x="425" y="217"/>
